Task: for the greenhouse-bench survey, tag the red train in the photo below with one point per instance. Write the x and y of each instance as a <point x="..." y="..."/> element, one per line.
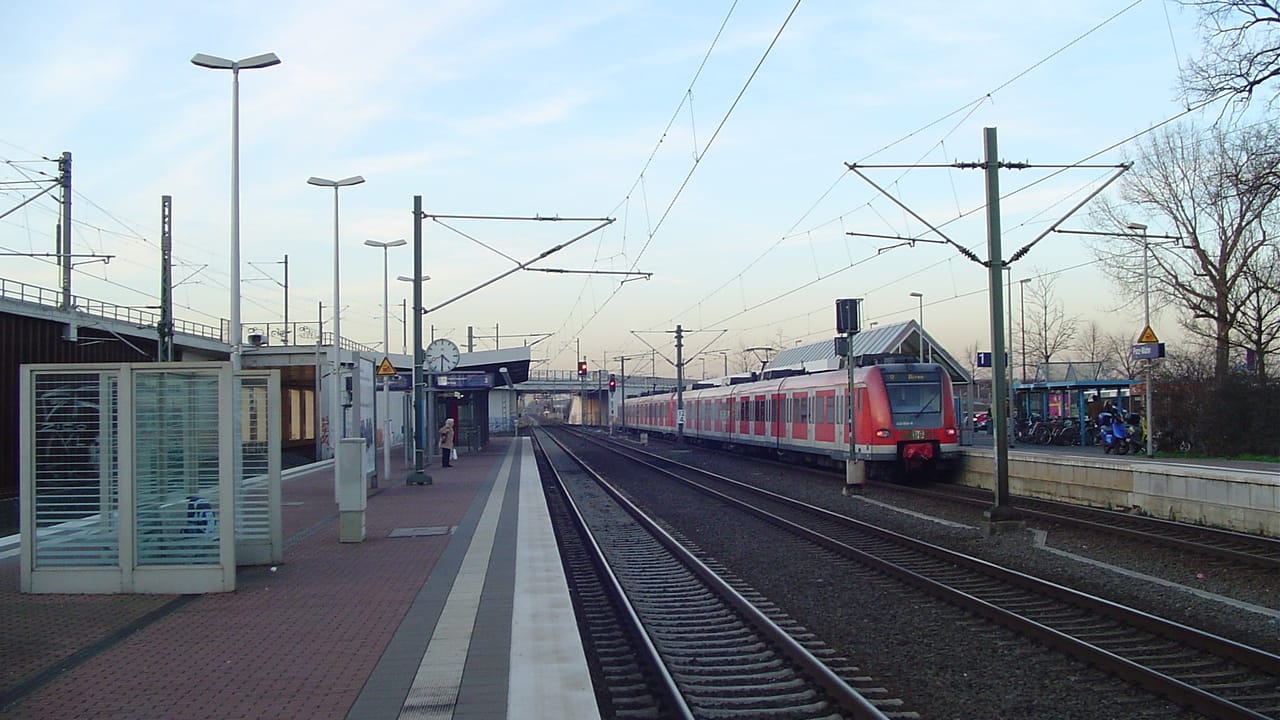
<point x="904" y="416"/>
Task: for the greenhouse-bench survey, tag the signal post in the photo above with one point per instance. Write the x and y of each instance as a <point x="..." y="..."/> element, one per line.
<point x="855" y="469"/>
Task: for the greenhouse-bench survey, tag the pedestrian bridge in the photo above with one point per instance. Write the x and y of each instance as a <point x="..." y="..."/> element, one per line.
<point x="568" y="381"/>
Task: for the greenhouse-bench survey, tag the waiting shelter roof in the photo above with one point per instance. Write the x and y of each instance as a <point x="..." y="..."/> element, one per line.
<point x="1073" y="375"/>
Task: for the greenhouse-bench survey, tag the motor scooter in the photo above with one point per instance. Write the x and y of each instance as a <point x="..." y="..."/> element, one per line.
<point x="1115" y="434"/>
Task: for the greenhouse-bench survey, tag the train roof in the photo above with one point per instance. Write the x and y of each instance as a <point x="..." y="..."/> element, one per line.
<point x="905" y="338"/>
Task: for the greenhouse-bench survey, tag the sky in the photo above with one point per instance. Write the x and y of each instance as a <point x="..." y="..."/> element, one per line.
<point x="714" y="135"/>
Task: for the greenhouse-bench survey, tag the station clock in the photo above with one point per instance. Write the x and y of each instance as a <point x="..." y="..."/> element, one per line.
<point x="442" y="356"/>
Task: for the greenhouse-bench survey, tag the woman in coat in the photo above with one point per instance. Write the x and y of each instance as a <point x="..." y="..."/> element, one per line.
<point x="446" y="443"/>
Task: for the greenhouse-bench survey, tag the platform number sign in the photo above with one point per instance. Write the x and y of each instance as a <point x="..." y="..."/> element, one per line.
<point x="984" y="359"/>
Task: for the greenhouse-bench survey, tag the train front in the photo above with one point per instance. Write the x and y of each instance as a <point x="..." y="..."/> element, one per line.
<point x="920" y="415"/>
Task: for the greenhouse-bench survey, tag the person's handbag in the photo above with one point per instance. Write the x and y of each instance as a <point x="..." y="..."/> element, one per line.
<point x="453" y="454"/>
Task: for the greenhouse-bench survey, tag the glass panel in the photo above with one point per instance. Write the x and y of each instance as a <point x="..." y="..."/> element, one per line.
<point x="76" y="485"/>
<point x="915" y="402"/>
<point x="176" y="456"/>
<point x="253" y="489"/>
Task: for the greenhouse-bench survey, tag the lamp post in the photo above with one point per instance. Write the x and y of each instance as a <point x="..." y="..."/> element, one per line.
<point x="1146" y="323"/>
<point x="386" y="351"/>
<point x="235" y="66"/>
<point x="920" y="296"/>
<point x="419" y="411"/>
<point x="724" y="354"/>
<point x="337" y="416"/>
<point x="1022" y="309"/>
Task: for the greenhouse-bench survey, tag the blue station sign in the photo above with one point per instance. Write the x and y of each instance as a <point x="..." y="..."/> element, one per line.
<point x="472" y="380"/>
<point x="1147" y="351"/>
<point x="463" y="380"/>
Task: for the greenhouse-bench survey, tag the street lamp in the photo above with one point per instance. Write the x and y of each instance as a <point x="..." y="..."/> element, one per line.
<point x="420" y="414"/>
<point x="386" y="352"/>
<point x="235" y="66"/>
<point x="337" y="305"/>
<point x="725" y="355"/>
<point x="1146" y="323"/>
<point x="920" y="296"/>
<point x="1022" y="308"/>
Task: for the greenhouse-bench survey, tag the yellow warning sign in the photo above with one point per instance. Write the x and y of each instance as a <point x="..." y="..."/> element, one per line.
<point x="1148" y="336"/>
<point x="385" y="368"/>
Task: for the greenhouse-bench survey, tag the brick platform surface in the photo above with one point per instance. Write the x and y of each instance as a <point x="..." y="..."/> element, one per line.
<point x="298" y="642"/>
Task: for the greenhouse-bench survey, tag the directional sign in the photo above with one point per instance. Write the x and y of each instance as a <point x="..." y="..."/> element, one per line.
<point x="1147" y="351"/>
<point x="385" y="368"/>
<point x="1148" y="336"/>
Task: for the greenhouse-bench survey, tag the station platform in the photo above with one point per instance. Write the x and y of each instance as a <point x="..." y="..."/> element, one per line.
<point x="454" y="606"/>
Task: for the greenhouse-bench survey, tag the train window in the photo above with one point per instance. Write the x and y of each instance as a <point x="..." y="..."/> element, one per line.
<point x="916" y="404"/>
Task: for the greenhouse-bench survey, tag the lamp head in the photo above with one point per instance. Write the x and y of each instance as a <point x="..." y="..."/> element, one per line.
<point x="325" y="182"/>
<point x="221" y="63"/>
<point x="212" y="61"/>
<point x="390" y="244"/>
<point x="917" y="294"/>
<point x="259" y="61"/>
<point x="1137" y="226"/>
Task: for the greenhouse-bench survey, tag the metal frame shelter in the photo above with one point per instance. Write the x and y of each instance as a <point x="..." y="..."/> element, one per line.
<point x="147" y="477"/>
<point x="1076" y="380"/>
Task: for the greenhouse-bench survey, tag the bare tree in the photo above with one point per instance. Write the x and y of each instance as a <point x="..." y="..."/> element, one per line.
<point x="1117" y="355"/>
<point x="1091" y="343"/>
<point x="1049" y="330"/>
<point x="1218" y="192"/>
<point x="1258" y="331"/>
<point x="1241" y="49"/>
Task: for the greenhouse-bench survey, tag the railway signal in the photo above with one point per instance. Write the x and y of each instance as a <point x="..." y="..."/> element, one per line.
<point x="582" y="368"/>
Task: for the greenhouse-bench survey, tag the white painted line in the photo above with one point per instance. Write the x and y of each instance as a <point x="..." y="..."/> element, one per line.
<point x="433" y="694"/>
<point x="912" y="513"/>
<point x="1041" y="536"/>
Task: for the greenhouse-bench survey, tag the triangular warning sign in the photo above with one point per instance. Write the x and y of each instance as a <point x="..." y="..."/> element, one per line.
<point x="385" y="368"/>
<point x="1148" y="336"/>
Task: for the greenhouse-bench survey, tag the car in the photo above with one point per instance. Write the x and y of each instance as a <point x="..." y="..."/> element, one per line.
<point x="982" y="421"/>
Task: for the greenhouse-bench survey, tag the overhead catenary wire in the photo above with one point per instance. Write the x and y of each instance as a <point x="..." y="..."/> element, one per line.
<point x="970" y="107"/>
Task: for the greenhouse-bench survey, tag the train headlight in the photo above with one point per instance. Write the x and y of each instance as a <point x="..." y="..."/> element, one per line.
<point x="883" y="433"/>
<point x="949" y="432"/>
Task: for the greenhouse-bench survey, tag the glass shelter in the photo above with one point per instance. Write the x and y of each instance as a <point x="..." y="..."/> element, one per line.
<point x="147" y="478"/>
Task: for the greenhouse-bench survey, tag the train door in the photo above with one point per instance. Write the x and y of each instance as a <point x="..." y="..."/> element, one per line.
<point x="860" y="430"/>
<point x="824" y="428"/>
<point x="776" y="414"/>
<point x="800" y="417"/>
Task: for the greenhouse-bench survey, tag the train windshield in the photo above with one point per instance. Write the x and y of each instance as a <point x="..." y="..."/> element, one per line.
<point x="915" y="398"/>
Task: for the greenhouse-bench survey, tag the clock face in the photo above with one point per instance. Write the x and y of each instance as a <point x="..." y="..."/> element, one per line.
<point x="442" y="356"/>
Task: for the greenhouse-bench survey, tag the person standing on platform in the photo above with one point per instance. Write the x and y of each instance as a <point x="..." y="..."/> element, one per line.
<point x="446" y="443"/>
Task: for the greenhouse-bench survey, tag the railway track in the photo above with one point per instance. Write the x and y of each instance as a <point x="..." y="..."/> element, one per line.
<point x="695" y="646"/>
<point x="1224" y="545"/>
<point x="1216" y="677"/>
